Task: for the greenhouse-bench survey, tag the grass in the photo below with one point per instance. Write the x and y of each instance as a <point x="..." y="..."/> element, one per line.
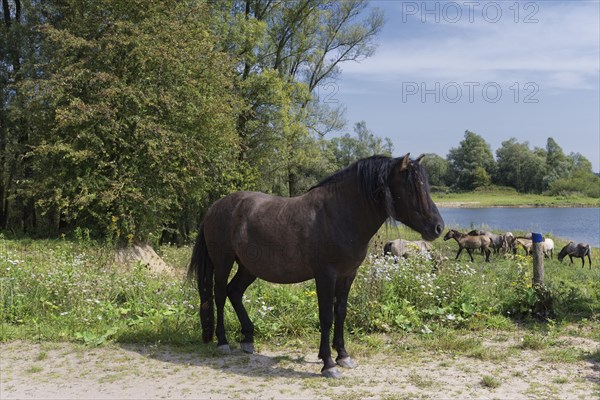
<point x="491" y="382"/>
<point x="500" y="197"/>
<point x="60" y="290"/>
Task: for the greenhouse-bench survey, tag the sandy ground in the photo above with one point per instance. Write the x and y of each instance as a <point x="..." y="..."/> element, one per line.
<point x="69" y="371"/>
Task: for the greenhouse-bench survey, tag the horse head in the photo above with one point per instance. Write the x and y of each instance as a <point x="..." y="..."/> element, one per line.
<point x="410" y="201"/>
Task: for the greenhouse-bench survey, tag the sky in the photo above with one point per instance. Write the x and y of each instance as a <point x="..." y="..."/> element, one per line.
<point x="528" y="70"/>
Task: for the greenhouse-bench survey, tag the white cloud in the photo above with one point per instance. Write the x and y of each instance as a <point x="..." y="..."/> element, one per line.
<point x="561" y="51"/>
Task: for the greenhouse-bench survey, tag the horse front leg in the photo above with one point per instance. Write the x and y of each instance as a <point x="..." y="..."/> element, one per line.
<point x="340" y="307"/>
<point x="590" y="260"/>
<point x="460" y="249"/>
<point x="326" y="283"/>
<point x="235" y="291"/>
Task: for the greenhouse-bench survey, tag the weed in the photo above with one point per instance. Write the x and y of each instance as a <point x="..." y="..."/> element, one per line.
<point x="533" y="341"/>
<point x="34" y="369"/>
<point x="420" y="381"/>
<point x="489" y="381"/>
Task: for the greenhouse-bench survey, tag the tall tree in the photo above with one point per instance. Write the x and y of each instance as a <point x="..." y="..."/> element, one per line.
<point x="133" y="117"/>
<point x="464" y="160"/>
<point x="286" y="50"/>
<point x="364" y="143"/>
<point x="519" y="167"/>
<point x="437" y="169"/>
<point x="557" y="164"/>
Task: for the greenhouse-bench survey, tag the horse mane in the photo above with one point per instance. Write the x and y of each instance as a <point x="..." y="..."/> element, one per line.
<point x="372" y="173"/>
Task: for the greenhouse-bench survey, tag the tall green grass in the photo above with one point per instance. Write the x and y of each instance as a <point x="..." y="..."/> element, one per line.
<point x="74" y="291"/>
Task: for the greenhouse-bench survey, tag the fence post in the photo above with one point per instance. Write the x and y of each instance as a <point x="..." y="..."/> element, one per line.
<point x="538" y="259"/>
<point x="543" y="307"/>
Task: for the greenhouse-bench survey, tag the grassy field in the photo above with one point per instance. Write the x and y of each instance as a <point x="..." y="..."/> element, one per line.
<point x="60" y="290"/>
<point x="499" y="197"/>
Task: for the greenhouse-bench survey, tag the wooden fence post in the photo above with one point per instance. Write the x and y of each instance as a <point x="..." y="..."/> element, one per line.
<point x="543" y="307"/>
<point x="538" y="259"/>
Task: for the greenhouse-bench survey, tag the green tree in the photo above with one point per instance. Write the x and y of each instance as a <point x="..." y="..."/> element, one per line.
<point x="581" y="180"/>
<point x="133" y="117"/>
<point x="364" y="143"/>
<point x="19" y="58"/>
<point x="285" y="51"/>
<point x="519" y="167"/>
<point x="472" y="152"/>
<point x="437" y="169"/>
<point x="557" y="164"/>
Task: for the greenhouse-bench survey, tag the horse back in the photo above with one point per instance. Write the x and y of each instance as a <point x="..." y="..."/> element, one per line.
<point x="281" y="240"/>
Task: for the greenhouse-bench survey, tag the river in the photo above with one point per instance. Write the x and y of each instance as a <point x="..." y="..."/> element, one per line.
<point x="577" y="224"/>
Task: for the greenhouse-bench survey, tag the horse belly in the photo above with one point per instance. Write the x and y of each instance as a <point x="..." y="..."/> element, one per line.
<point x="274" y="263"/>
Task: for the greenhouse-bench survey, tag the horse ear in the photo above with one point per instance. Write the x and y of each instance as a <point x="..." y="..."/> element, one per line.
<point x="405" y="161"/>
<point x="420" y="158"/>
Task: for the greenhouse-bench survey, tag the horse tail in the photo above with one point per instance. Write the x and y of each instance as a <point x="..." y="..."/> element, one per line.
<point x="202" y="269"/>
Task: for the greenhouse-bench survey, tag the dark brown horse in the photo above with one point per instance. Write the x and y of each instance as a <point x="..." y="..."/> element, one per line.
<point x="470" y="242"/>
<point x="579" y="250"/>
<point x="322" y="235"/>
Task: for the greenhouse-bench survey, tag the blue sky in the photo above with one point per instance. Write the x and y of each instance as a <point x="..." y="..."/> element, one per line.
<point x="529" y="70"/>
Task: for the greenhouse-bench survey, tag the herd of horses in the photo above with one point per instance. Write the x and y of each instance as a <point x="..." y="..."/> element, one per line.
<point x="488" y="242"/>
<point x="323" y="234"/>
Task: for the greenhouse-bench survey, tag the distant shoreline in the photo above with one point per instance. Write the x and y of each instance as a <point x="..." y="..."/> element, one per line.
<point x="508" y="198"/>
<point x="477" y="204"/>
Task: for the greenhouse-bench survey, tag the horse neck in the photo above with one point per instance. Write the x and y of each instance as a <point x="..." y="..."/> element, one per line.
<point x="458" y="236"/>
<point x="351" y="209"/>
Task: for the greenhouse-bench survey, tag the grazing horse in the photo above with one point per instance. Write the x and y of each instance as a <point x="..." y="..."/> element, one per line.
<point x="470" y="242"/>
<point x="322" y="235"/>
<point x="579" y="250"/>
<point x="406" y="248"/>
<point x="525" y="243"/>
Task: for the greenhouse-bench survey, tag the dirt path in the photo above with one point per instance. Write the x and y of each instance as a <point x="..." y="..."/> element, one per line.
<point x="68" y="371"/>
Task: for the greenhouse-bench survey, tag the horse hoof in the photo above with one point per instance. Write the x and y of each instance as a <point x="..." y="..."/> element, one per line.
<point x="224" y="349"/>
<point x="247" y="347"/>
<point x="332" y="372"/>
<point x="346" y="362"/>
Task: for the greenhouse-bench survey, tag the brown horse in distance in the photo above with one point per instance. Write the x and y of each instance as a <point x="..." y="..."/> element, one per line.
<point x="470" y="242"/>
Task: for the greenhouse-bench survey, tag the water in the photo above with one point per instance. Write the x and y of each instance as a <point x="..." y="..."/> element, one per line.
<point x="576" y="224"/>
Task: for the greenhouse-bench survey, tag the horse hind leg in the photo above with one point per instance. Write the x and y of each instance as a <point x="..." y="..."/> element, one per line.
<point x="235" y="291"/>
<point x="470" y="254"/>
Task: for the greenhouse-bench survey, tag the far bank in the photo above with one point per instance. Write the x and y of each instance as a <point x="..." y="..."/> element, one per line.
<point x="495" y="198"/>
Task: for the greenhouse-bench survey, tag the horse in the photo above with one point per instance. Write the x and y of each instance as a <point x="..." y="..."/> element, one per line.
<point x="525" y="243"/>
<point x="322" y="234"/>
<point x="579" y="250"/>
<point x="509" y="241"/>
<point x="406" y="248"/>
<point x="548" y="247"/>
<point x="470" y="242"/>
<point x="496" y="241"/>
